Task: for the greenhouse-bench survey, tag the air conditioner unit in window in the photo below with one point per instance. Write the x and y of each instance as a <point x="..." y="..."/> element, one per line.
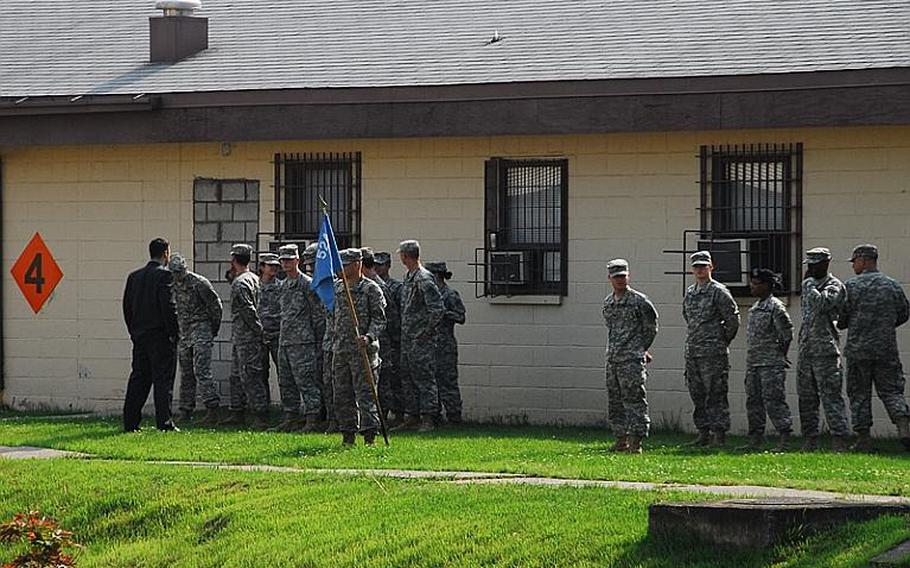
<point x="508" y="267"/>
<point x="731" y="259"/>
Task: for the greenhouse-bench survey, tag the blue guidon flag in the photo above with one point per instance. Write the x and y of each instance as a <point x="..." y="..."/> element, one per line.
<point x="328" y="264"/>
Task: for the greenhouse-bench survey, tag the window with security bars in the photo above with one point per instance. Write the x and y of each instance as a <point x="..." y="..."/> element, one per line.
<point x="301" y="180"/>
<point x="751" y="212"/>
<point x="526" y="227"/>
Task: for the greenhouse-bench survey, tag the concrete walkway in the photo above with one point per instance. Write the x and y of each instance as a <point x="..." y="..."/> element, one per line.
<point x="475" y="477"/>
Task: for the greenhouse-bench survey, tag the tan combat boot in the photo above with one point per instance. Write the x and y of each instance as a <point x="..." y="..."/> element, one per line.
<point x="234" y="418"/>
<point x="719" y="440"/>
<point x="839" y="444"/>
<point x="211" y="417"/>
<point x="621" y="444"/>
<point x="863" y="443"/>
<point x="810" y="444"/>
<point x="703" y="439"/>
<point x="409" y="423"/>
<point x="634" y="445"/>
<point x="369" y="438"/>
<point x="348" y="439"/>
<point x="903" y="431"/>
<point x="783" y="443"/>
<point x="312" y="425"/>
<point x="288" y="423"/>
<point x="755" y="443"/>
<point x="260" y="422"/>
<point x="427" y="424"/>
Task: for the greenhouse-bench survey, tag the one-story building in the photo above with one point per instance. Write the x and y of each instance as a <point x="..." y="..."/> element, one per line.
<point x="524" y="142"/>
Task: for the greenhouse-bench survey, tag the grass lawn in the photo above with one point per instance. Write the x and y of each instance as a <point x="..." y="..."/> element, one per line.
<point x="529" y="450"/>
<point x="131" y="515"/>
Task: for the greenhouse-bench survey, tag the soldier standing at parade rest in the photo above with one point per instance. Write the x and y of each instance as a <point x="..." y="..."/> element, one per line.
<point x="421" y="312"/>
<point x="199" y="319"/>
<point x="392" y="398"/>
<point x="392" y="330"/>
<point x="769" y="333"/>
<point x="269" y="313"/>
<point x="297" y="346"/>
<point x="247" y="334"/>
<point x="631" y="320"/>
<point x="819" y="376"/>
<point x="447" y="347"/>
<point x="151" y="318"/>
<point x="712" y="320"/>
<point x="874" y="306"/>
<point x="355" y="408"/>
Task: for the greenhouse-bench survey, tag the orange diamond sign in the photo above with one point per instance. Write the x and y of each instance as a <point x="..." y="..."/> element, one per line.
<point x="37" y="273"/>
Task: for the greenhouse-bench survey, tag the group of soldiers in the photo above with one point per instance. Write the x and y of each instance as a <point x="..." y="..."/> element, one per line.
<point x="397" y="334"/>
<point x="870" y="306"/>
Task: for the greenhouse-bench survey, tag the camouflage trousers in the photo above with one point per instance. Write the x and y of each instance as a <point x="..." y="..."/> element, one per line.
<point x="196" y="367"/>
<point x="766" y="395"/>
<point x="246" y="378"/>
<point x="328" y="384"/>
<point x="297" y="380"/>
<point x="418" y="378"/>
<point x="355" y="409"/>
<point x="888" y="377"/>
<point x="708" y="381"/>
<point x="447" y="379"/>
<point x="390" y="387"/>
<point x="627" y="402"/>
<point x="269" y="355"/>
<point x="820" y="380"/>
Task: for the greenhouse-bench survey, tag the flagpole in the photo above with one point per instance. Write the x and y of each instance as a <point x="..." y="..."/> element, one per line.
<point x="365" y="358"/>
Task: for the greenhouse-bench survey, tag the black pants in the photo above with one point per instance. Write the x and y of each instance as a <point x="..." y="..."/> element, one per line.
<point x="154" y="364"/>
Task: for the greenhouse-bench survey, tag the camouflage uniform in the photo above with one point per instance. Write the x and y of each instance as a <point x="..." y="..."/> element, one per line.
<point x="328" y="381"/>
<point x="248" y="344"/>
<point x="391" y="335"/>
<point x="874" y="306"/>
<point x="447" y="353"/>
<point x="712" y="320"/>
<point x="768" y="336"/>
<point x="355" y="409"/>
<point x="270" y="315"/>
<point x="391" y="375"/>
<point x="632" y="323"/>
<point x="199" y="319"/>
<point x="421" y="312"/>
<point x="819" y="377"/>
<point x="297" y="347"/>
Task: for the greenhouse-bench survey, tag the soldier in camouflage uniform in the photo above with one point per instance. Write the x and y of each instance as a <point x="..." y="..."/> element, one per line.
<point x="269" y="313"/>
<point x="712" y="320"/>
<point x="323" y="348"/>
<point x="390" y="335"/>
<point x="819" y="377"/>
<point x="198" y="318"/>
<point x="875" y="305"/>
<point x="297" y="346"/>
<point x="355" y="408"/>
<point x="392" y="397"/>
<point x="421" y="312"/>
<point x="246" y="329"/>
<point x="631" y="320"/>
<point x="447" y="354"/>
<point x="769" y="333"/>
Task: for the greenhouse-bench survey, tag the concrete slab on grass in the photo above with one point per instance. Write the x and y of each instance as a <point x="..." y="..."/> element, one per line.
<point x="28" y="452"/>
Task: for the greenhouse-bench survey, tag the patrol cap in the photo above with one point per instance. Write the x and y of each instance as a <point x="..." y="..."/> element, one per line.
<point x="177" y="264"/>
<point x="382" y="257"/>
<point x="288" y="252"/>
<point x="701" y="258"/>
<point x="309" y="253"/>
<point x="438" y="267"/>
<point x="350" y="255"/>
<point x="268" y="258"/>
<point x="816" y="255"/>
<point x="410" y="247"/>
<point x="241" y="249"/>
<point x="618" y="267"/>
<point x="367" y="253"/>
<point x="865" y="251"/>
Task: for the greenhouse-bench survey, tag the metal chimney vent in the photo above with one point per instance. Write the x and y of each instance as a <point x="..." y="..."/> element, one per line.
<point x="177" y="34"/>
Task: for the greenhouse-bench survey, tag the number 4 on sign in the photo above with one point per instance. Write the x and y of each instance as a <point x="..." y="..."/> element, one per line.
<point x="36" y="273"/>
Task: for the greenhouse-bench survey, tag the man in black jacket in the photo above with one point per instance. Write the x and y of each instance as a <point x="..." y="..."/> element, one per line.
<point x="151" y="317"/>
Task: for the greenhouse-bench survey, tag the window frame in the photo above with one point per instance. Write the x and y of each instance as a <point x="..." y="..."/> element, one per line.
<point x="497" y="223"/>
